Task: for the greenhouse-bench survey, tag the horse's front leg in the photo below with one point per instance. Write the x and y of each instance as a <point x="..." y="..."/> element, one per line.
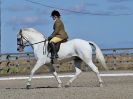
<point x="38" y="64"/>
<point x="52" y="69"/>
<point x="58" y="79"/>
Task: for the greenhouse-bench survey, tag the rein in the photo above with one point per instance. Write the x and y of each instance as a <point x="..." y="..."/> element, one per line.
<point x="34" y="43"/>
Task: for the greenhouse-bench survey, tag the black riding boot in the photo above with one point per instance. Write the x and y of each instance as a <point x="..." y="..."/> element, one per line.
<point x="53" y="51"/>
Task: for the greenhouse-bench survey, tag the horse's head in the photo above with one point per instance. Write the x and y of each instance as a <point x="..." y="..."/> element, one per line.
<point x="28" y="35"/>
<point x="21" y="41"/>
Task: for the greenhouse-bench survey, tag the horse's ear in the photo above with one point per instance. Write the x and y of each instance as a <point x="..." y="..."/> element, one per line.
<point x="20" y="32"/>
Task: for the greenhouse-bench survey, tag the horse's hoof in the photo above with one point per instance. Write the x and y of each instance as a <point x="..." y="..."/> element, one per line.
<point x="100" y="85"/>
<point x="59" y="86"/>
<point x="67" y="85"/>
<point x="28" y="86"/>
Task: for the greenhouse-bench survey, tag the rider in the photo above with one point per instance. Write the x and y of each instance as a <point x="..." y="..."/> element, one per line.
<point x="58" y="34"/>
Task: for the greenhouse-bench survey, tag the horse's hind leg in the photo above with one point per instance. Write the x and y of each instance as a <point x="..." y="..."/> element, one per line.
<point x="95" y="69"/>
<point x="77" y="73"/>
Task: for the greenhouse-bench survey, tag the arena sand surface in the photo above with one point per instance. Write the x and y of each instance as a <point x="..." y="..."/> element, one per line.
<point x="85" y="87"/>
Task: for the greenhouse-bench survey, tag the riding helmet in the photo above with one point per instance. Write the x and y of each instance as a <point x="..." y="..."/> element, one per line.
<point x="55" y="13"/>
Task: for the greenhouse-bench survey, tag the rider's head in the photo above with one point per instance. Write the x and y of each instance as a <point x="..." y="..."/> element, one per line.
<point x="55" y="14"/>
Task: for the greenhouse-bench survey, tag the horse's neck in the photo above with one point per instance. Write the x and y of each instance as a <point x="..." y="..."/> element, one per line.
<point x="35" y="38"/>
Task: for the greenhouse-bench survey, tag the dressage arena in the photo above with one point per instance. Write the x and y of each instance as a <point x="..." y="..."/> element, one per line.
<point x="118" y="81"/>
<point x="116" y="86"/>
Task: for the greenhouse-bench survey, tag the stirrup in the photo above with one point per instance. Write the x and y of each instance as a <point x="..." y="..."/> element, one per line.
<point x="53" y="61"/>
<point x="56" y="56"/>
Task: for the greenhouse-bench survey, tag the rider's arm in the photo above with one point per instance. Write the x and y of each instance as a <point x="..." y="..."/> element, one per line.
<point x="56" y="28"/>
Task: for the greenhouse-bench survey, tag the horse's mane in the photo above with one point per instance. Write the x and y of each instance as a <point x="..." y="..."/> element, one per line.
<point x="30" y="29"/>
<point x="33" y="31"/>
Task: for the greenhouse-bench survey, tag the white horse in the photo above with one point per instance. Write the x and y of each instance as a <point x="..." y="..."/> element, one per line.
<point x="75" y="47"/>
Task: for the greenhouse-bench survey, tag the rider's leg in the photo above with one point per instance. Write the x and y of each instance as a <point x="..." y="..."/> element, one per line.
<point x="53" y="41"/>
<point x="53" y="50"/>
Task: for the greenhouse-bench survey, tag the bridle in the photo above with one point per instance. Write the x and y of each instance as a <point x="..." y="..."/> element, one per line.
<point x="21" y="43"/>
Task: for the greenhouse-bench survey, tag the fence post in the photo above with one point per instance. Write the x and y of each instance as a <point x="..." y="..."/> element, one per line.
<point x="114" y="59"/>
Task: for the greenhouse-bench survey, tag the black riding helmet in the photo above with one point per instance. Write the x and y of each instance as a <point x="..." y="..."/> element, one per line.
<point x="55" y="13"/>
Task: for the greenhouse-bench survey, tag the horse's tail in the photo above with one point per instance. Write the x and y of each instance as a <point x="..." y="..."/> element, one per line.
<point x="99" y="55"/>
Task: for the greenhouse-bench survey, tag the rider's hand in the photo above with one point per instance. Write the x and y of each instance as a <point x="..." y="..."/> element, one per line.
<point x="49" y="38"/>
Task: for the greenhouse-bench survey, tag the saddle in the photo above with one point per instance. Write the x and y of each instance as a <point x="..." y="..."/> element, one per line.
<point x="57" y="45"/>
